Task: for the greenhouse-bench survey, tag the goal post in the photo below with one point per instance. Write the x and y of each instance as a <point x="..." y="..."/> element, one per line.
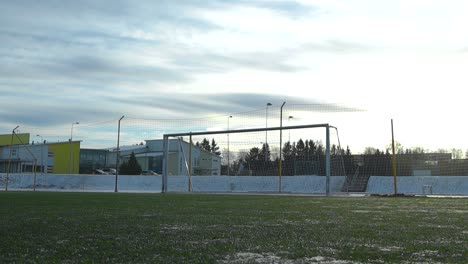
<point x="169" y="155"/>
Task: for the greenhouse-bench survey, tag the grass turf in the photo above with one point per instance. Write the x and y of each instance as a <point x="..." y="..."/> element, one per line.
<point x="199" y="228"/>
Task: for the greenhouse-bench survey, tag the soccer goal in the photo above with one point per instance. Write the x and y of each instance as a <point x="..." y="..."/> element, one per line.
<point x="289" y="159"/>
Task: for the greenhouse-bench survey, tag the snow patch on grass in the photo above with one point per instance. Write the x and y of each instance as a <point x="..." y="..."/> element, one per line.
<point x="426" y="253"/>
<point x="312" y="222"/>
<point x="150" y="215"/>
<point x="363" y="211"/>
<point x="271" y="258"/>
<point x="174" y="228"/>
<point x="390" y="249"/>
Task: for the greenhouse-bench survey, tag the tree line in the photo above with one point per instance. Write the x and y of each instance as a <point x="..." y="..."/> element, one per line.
<point x="308" y="157"/>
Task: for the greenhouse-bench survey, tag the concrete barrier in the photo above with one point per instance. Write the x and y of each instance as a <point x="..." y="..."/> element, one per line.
<point x="290" y="184"/>
<point x="443" y="185"/>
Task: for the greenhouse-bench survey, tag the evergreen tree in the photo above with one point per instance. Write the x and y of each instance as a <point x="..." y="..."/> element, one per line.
<point x="252" y="161"/>
<point x="265" y="154"/>
<point x="210" y="147"/>
<point x="214" y="148"/>
<point x="300" y="150"/>
<point x="130" y="167"/>
<point x="288" y="164"/>
<point x="205" y="144"/>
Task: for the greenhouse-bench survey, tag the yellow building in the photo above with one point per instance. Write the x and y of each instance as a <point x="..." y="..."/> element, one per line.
<point x="17" y="139"/>
<point x="66" y="157"/>
<point x="20" y="157"/>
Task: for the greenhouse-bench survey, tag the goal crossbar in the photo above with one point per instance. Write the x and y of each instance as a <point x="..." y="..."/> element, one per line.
<point x="243" y="130"/>
<point x="190" y="134"/>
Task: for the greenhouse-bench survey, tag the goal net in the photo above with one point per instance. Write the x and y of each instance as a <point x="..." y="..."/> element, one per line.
<point x="291" y="159"/>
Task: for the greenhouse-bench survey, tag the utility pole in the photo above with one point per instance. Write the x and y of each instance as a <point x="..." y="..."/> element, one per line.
<point x="117" y="156"/>
<point x="280" y="168"/>
<point x="9" y="158"/>
<point x="266" y="131"/>
<point x="70" y="158"/>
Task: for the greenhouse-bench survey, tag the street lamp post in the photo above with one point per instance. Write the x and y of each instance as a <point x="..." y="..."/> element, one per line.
<point x="280" y="167"/>
<point x="9" y="158"/>
<point x="289" y="137"/>
<point x="266" y="122"/>
<point x="71" y="132"/>
<point x="228" y="159"/>
<point x="70" y="160"/>
<point x="117" y="156"/>
<point x="266" y="126"/>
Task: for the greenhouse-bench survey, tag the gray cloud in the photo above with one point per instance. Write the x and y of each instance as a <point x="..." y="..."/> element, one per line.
<point x="215" y="62"/>
<point x="227" y="103"/>
<point x="68" y="60"/>
<point x="80" y="42"/>
<point x="53" y="107"/>
<point x="88" y="69"/>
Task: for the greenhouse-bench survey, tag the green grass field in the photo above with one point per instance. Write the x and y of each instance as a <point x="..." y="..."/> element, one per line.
<point x="198" y="228"/>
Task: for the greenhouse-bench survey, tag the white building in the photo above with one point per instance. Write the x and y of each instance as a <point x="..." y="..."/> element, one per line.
<point x="150" y="157"/>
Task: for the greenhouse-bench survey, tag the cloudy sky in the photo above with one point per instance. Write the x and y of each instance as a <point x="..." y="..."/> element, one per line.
<point x="90" y="61"/>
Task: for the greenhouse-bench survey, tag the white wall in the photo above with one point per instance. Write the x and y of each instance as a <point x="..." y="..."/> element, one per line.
<point x="449" y="185"/>
<point x="293" y="184"/>
<point x="445" y="185"/>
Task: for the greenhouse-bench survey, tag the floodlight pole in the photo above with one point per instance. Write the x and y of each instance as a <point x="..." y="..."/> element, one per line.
<point x="117" y="156"/>
<point x="266" y="126"/>
<point x="289" y="137"/>
<point x="280" y="168"/>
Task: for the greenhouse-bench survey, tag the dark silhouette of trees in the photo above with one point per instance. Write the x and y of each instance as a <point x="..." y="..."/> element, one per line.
<point x="308" y="157"/>
<point x="130" y="167"/>
<point x="214" y="148"/>
<point x="210" y="147"/>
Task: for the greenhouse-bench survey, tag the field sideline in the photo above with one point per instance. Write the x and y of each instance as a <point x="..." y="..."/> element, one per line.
<point x="202" y="228"/>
